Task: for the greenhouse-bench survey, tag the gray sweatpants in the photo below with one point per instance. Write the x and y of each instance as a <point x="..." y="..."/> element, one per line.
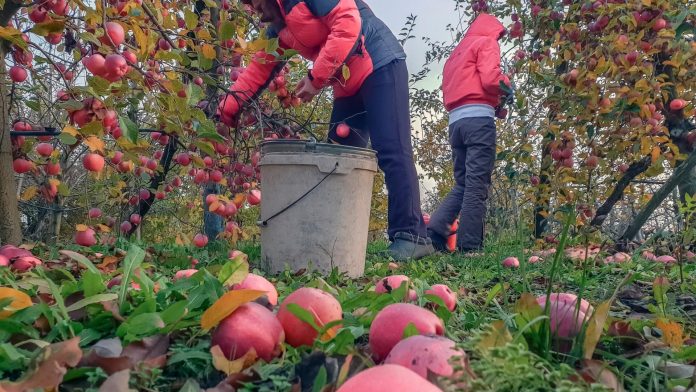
<point x="473" y="150"/>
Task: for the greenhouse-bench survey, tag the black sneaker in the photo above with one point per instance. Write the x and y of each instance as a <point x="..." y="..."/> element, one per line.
<point x="439" y="242"/>
<point x="408" y="246"/>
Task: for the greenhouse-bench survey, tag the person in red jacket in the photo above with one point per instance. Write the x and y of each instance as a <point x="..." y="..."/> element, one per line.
<point x="471" y="88"/>
<point x="373" y="100"/>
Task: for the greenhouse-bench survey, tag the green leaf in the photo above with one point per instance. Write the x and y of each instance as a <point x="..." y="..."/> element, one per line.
<point x="63" y="189"/>
<point x="190" y="18"/>
<point x="84" y="261"/>
<point x="131" y="130"/>
<point x="410" y="330"/>
<point x="234" y="271"/>
<point x="92" y="283"/>
<point x="227" y="30"/>
<point x="142" y="325"/>
<point x="45" y="28"/>
<point x="590" y="131"/>
<point x="71" y="105"/>
<point x="11" y="358"/>
<point x="99" y="84"/>
<point x="214" y="136"/>
<point x="190" y="386"/>
<point x="186" y="356"/>
<point x="91" y="300"/>
<point x="133" y="259"/>
<point x="205" y="147"/>
<point x="174" y="312"/>
<point x="304" y="315"/>
<point x="320" y="380"/>
<point x="33" y="105"/>
<point x="67" y="139"/>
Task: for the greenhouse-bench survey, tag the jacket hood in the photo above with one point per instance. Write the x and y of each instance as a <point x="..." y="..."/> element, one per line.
<point x="486" y="25"/>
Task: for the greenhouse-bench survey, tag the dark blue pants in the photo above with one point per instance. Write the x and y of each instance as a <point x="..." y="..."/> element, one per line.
<point x="473" y="151"/>
<point x="380" y="112"/>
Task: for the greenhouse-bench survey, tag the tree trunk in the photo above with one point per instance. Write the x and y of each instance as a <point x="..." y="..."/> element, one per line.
<point x="10" y="223"/>
<point x="213" y="224"/>
<point x="682" y="172"/>
<point x="633" y="171"/>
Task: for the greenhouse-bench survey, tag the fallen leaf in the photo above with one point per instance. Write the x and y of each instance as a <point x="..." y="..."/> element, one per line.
<point x="117" y="382"/>
<point x="52" y="366"/>
<point x="497" y="335"/>
<point x="81" y="227"/>
<point x="112" y="307"/>
<point x="107" y="261"/>
<point x="221" y="363"/>
<point x="672" y="333"/>
<point x="670" y="369"/>
<point x="109" y="354"/>
<point x="19" y="301"/>
<point x="595" y="327"/>
<point x="227" y="304"/>
<point x="599" y="372"/>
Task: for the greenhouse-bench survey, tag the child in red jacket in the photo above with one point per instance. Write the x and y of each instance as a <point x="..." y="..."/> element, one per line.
<point x="472" y="92"/>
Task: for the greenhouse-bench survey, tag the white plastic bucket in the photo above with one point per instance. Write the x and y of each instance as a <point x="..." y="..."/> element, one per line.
<point x="315" y="209"/>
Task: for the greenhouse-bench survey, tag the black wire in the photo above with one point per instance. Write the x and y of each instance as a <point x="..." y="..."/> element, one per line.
<point x="265" y="222"/>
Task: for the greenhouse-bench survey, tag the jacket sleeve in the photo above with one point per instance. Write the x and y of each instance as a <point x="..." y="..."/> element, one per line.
<point x="488" y="66"/>
<point x="255" y="76"/>
<point x="343" y="19"/>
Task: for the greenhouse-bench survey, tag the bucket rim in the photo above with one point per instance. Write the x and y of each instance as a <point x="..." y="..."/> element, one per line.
<point x="281" y="146"/>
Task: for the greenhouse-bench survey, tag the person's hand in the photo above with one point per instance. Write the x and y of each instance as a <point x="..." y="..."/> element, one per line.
<point x="305" y="90"/>
<point x="501" y="112"/>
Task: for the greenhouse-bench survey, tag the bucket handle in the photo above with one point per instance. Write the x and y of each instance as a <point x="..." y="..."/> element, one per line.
<point x="264" y="222"/>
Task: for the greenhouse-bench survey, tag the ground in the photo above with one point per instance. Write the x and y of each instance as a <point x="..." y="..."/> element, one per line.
<point x="508" y="355"/>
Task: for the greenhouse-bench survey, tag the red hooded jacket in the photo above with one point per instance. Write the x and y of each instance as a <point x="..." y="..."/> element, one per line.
<point x="472" y="74"/>
<point x="330" y="33"/>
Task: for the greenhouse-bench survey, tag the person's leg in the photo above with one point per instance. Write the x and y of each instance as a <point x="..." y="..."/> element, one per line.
<point x="349" y="110"/>
<point x="385" y="94"/>
<point x="441" y="220"/>
<point x="479" y="138"/>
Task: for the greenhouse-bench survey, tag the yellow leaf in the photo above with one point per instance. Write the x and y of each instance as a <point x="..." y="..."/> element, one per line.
<point x="221" y="363"/>
<point x="19" y="301"/>
<point x="208" y="51"/>
<point x="242" y="42"/>
<point x="70" y="130"/>
<point x="29" y="193"/>
<point x="227" y="304"/>
<point x="104" y="228"/>
<point x="655" y="154"/>
<point x="496" y="336"/>
<point x="141" y="39"/>
<point x="81" y="227"/>
<point x="94" y="143"/>
<point x="672" y="333"/>
<point x="595" y="327"/>
<point x="214" y="206"/>
<point x="54" y="181"/>
<point x="204" y="35"/>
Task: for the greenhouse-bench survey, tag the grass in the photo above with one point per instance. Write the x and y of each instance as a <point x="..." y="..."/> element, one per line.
<point x="489" y="293"/>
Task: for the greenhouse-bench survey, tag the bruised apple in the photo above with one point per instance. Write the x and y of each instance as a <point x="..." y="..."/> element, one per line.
<point x="448" y="296"/>
<point x="388" y="327"/>
<point x="387" y="378"/>
<point x="393" y="282"/>
<point x="256" y="282"/>
<point x="322" y="305"/>
<point x="187" y="273"/>
<point x="249" y="327"/>
<point x="86" y="237"/>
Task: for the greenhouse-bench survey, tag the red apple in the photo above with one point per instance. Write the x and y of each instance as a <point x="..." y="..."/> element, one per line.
<point x="200" y="240"/>
<point x="448" y="296"/>
<point x="135" y="219"/>
<point x="257" y="282"/>
<point x="254" y="197"/>
<point x="387" y="378"/>
<point x="428" y="356"/>
<point x="324" y="307"/>
<point x="511" y="262"/>
<point x="93" y="162"/>
<point x="592" y="161"/>
<point x="566" y="320"/>
<point x="113" y="34"/>
<point x="388" y="327"/>
<point x="659" y="24"/>
<point x="85" y="238"/>
<point x="18" y="74"/>
<point x="126" y="227"/>
<point x="52" y="169"/>
<point x="677" y="104"/>
<point x="94" y="213"/>
<point x="184" y="274"/>
<point x="44" y="149"/>
<point x="95" y="64"/>
<point x="342" y="130"/>
<point x="249" y="327"/>
<point x="21" y="165"/>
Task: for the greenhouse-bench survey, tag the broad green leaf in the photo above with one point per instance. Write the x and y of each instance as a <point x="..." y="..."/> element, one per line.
<point x="92" y="283"/>
<point x="190" y="385"/>
<point x="303" y="314"/>
<point x="133" y="259"/>
<point x="45" y="28"/>
<point x="140" y="326"/>
<point x="129" y="128"/>
<point x="84" y="261"/>
<point x="174" y="312"/>
<point x="91" y="300"/>
<point x="497" y="335"/>
<point x="410" y="330"/>
<point x="190" y="18"/>
<point x="234" y="271"/>
<point x="320" y="380"/>
<point x="227" y="30"/>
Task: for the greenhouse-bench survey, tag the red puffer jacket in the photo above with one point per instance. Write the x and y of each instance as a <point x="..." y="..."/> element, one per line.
<point x="330" y="33"/>
<point x="472" y="74"/>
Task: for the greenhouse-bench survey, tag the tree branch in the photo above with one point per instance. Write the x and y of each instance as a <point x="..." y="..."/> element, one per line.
<point x="633" y="171"/>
